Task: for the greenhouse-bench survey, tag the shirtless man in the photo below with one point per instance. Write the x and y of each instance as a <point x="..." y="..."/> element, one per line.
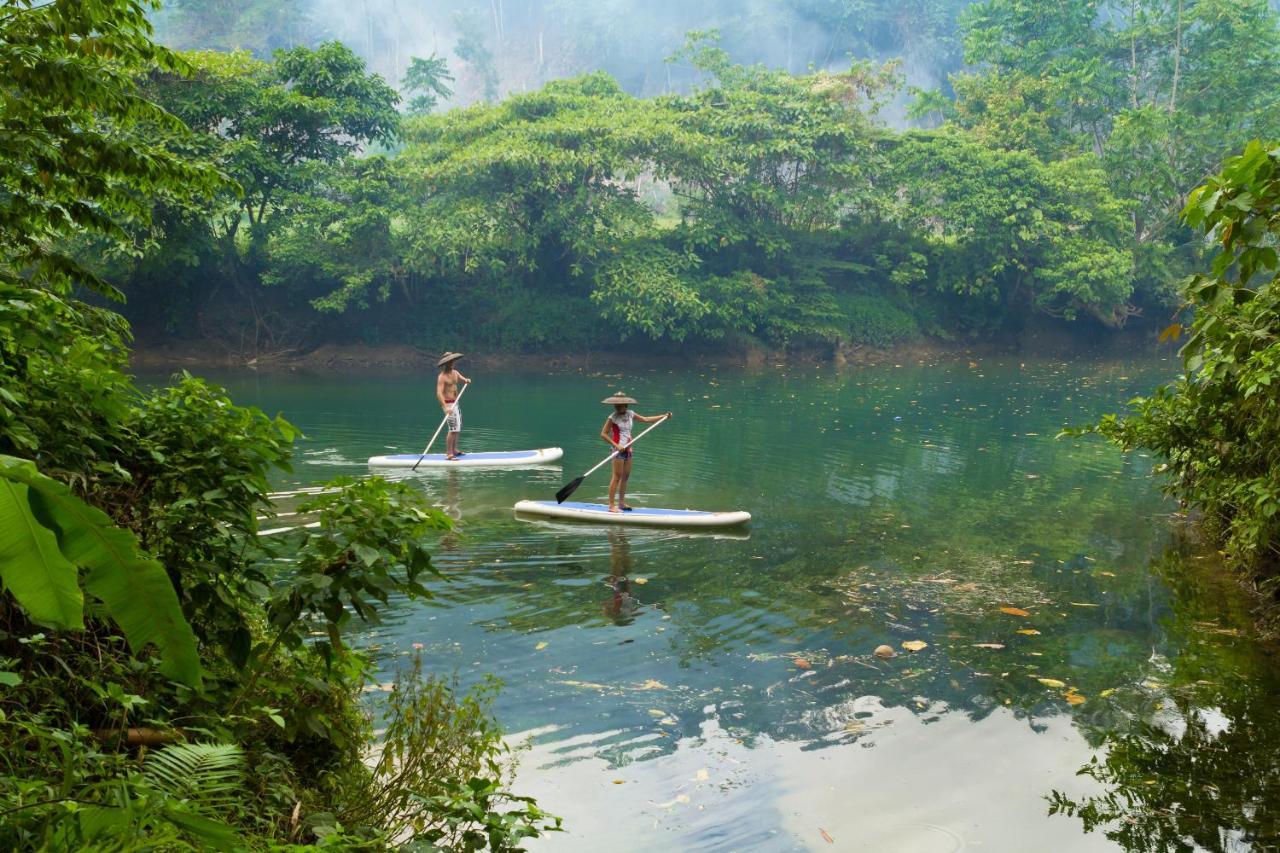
<point x="447" y="394"/>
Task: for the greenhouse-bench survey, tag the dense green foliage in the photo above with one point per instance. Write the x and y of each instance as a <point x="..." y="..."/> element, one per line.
<point x="751" y="210"/>
<point x="1218" y="427"/>
<point x="153" y="644"/>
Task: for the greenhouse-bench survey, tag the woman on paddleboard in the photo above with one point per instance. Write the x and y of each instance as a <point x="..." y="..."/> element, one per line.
<point x="617" y="433"/>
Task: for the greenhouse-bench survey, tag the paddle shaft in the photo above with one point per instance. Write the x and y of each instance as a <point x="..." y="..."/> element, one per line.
<point x="436" y="434"/>
<point x="563" y="494"/>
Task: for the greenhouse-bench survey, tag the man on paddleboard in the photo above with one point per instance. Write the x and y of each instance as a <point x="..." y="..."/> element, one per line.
<point x="617" y="433"/>
<point x="447" y="394"/>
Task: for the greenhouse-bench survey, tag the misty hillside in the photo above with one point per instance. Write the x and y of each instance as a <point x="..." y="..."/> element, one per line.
<point x="501" y="46"/>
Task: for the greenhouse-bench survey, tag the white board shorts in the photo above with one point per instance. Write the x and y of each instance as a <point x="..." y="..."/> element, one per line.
<point x="455" y="418"/>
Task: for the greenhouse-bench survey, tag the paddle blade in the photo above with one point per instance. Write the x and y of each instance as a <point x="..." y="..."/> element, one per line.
<point x="563" y="494"/>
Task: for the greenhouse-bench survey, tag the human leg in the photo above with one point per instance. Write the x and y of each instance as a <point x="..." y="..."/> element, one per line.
<point x="624" y="476"/>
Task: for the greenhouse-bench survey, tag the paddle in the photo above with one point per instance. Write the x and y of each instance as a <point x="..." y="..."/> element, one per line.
<point x="563" y="494"/>
<point x="437" y="432"/>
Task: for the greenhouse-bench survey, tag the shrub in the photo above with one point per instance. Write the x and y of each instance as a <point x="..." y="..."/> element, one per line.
<point x="875" y="321"/>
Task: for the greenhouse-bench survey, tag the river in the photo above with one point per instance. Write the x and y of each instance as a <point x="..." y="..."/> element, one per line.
<point x="733" y="700"/>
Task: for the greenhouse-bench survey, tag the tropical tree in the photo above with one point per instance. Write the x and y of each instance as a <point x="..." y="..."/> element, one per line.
<point x="428" y="80"/>
<point x="1216" y="428"/>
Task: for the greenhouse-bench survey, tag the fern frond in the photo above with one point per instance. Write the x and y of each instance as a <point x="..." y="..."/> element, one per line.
<point x="200" y="774"/>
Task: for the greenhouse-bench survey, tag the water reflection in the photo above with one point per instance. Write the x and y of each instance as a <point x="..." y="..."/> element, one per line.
<point x="621" y="606"/>
<point x="1020" y="580"/>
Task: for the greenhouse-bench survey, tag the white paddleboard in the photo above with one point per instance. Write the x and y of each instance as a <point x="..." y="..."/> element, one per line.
<point x="647" y="516"/>
<point x="471" y="459"/>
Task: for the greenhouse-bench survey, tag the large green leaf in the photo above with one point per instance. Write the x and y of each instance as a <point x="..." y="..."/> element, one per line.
<point x="32" y="567"/>
<point x="135" y="588"/>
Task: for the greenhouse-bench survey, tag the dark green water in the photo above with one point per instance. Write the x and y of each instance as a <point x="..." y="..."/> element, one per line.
<point x="736" y="704"/>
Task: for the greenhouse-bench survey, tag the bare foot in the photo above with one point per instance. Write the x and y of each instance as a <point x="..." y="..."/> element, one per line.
<point x="613" y="508"/>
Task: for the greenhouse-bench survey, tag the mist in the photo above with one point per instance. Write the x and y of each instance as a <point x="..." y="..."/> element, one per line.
<point x="498" y="47"/>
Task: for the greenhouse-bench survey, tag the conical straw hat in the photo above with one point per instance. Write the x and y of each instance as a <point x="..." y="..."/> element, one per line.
<point x="448" y="357"/>
<point x="619" y="398"/>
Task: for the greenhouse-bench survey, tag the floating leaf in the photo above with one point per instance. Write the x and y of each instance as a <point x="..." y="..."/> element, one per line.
<point x="826" y="836"/>
<point x="641" y="581"/>
<point x="619" y="781"/>
<point x="988" y="645"/>
<point x="1105" y="693"/>
<point x="1171" y="332"/>
<point x="1051" y="682"/>
<point x="1030" y="632"/>
<point x="802" y="663"/>
<point x="654" y="712"/>
<point x="915" y="645"/>
<point x="702" y="775"/>
<point x="652" y="684"/>
<point x="540" y="646"/>
<point x="1084" y="604"/>
<point x="1014" y="611"/>
<point x="1073" y="698"/>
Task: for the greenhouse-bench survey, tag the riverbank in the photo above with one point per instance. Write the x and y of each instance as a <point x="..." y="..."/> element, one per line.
<point x="1044" y="340"/>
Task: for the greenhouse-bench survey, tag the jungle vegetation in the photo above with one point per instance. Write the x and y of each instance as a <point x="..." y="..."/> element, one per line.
<point x="757" y="206"/>
<point x="171" y="677"/>
<point x="155" y="646"/>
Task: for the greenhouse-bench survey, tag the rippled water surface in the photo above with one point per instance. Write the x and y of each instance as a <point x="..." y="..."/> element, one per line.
<point x="733" y="701"/>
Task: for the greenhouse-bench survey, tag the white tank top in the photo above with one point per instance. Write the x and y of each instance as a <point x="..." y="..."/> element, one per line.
<point x="622" y="426"/>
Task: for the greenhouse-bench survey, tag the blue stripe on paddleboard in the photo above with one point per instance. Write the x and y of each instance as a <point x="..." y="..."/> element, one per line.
<point x="604" y="509"/>
<point x="493" y="454"/>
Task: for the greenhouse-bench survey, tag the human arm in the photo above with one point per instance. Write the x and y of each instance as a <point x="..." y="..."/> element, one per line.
<point x="465" y="380"/>
<point x="648" y="419"/>
<point x="604" y="433"/>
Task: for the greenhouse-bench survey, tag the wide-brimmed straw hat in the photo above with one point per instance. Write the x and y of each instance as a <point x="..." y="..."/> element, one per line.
<point x="618" y="399"/>
<point x="448" y="357"/>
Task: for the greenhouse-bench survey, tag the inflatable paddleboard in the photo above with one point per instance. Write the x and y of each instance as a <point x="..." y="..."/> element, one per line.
<point x="649" y="516"/>
<point x="494" y="459"/>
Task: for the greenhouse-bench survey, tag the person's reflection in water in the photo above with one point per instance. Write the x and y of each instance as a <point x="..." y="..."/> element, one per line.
<point x="621" y="606"/>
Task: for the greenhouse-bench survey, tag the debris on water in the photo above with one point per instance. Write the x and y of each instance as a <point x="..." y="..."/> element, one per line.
<point x="801" y="663"/>
<point x="915" y="645"/>
<point x="885" y="652"/>
<point x="1014" y="611"/>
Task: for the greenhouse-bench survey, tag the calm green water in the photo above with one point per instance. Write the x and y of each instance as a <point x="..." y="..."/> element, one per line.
<point x="735" y="703"/>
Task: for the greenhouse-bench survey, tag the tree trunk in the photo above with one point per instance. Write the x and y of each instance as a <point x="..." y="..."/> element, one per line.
<point x="1177" y="60"/>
